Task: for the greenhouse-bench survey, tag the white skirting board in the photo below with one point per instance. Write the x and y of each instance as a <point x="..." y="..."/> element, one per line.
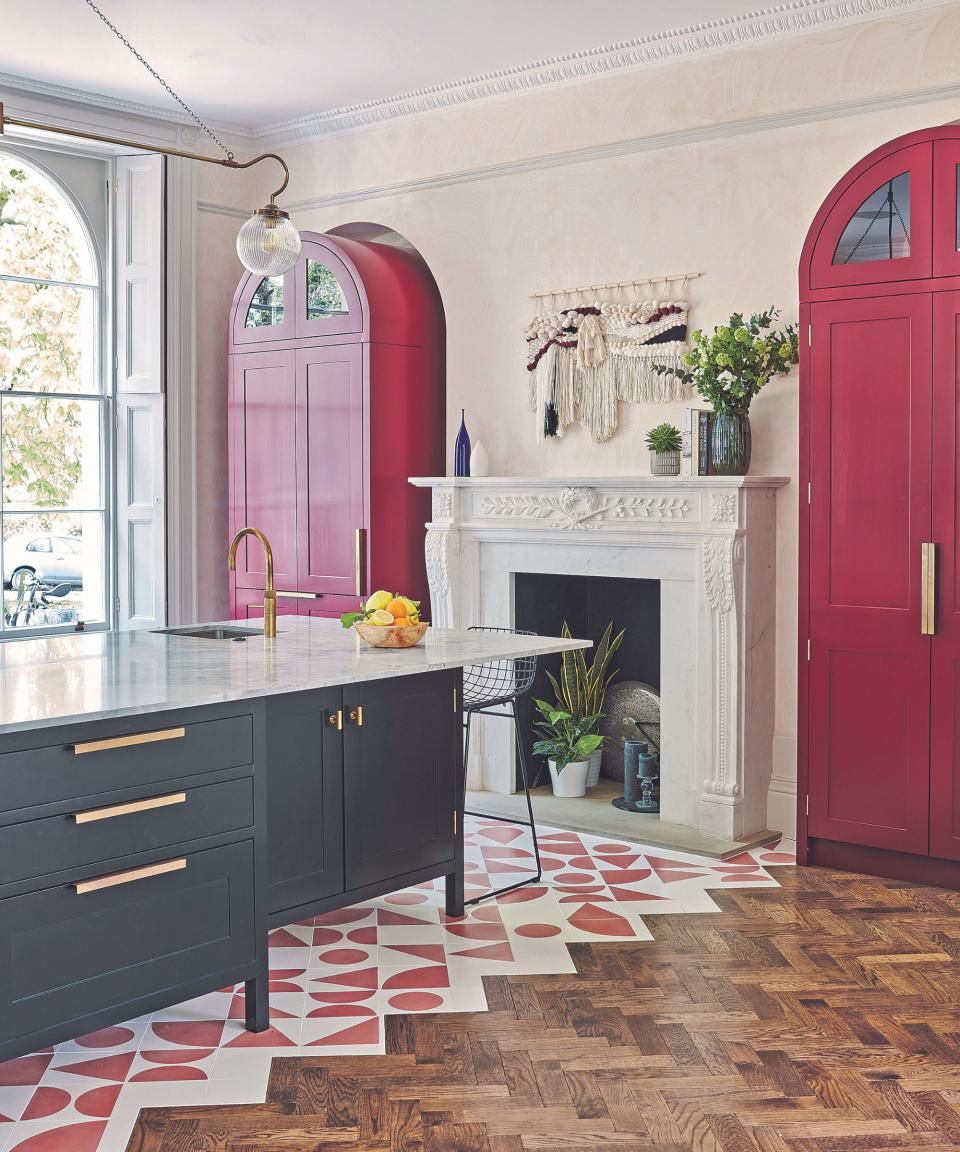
<point x="782" y="793"/>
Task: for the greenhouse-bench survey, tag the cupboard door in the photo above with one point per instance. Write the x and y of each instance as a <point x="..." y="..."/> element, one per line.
<point x="263" y="419"/>
<point x="401" y="763"/>
<point x="304" y="799"/>
<point x="881" y="228"/>
<point x="328" y="303"/>
<point x="945" y="682"/>
<point x="330" y="467"/>
<point x="946" y="208"/>
<point x="869" y="682"/>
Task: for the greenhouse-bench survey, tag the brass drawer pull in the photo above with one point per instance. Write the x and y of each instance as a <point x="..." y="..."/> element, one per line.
<point x="928" y="589"/>
<point x="335" y="719"/>
<point x="129" y="741"/>
<point x="114" y="878"/>
<point x="356" y="715"/>
<point x="94" y="814"/>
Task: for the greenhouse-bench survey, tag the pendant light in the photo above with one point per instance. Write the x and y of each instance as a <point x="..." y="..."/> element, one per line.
<point x="268" y="244"/>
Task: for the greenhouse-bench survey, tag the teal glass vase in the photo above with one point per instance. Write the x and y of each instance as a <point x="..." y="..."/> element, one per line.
<point x="730" y="444"/>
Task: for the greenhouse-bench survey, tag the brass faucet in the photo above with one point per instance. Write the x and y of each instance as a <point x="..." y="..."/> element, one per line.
<point x="269" y="593"/>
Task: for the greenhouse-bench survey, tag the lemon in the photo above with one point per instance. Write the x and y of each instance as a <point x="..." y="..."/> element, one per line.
<point x="378" y="600"/>
<point x="381" y="618"/>
<point x="412" y="606"/>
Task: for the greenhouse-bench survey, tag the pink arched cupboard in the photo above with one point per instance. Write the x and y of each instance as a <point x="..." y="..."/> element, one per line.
<point x="879" y="653"/>
<point x="336" y="397"/>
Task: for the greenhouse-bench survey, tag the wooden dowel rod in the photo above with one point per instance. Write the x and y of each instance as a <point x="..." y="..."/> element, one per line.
<point x="617" y="284"/>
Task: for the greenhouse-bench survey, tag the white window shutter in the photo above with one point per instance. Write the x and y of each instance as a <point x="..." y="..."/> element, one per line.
<point x="141" y="488"/>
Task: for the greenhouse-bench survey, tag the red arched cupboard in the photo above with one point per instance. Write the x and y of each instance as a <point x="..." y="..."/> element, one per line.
<point x="336" y="397"/>
<point x="879" y="651"/>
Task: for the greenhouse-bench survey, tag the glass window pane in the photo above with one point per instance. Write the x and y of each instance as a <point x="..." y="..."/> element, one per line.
<point x="48" y="340"/>
<point x="50" y="453"/>
<point x="266" y="307"/>
<point x="40" y="232"/>
<point x="880" y="227"/>
<point x="74" y="568"/>
<point x="324" y="295"/>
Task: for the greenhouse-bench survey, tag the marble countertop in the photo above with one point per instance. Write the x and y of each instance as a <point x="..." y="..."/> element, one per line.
<point x="101" y="675"/>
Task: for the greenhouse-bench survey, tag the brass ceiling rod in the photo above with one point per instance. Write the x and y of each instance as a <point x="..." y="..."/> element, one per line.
<point x="225" y="162"/>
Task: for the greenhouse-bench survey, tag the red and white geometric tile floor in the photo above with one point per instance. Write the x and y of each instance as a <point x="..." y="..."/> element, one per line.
<point x="335" y="977"/>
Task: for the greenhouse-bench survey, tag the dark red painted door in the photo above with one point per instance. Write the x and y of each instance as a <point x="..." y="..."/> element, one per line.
<point x="870" y="511"/>
<point x="330" y="448"/>
<point x="945" y="682"/>
<point x="263" y="417"/>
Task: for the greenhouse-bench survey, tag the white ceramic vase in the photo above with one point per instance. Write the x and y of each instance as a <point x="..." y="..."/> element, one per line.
<point x="593" y="771"/>
<point x="572" y="781"/>
<point x="479" y="461"/>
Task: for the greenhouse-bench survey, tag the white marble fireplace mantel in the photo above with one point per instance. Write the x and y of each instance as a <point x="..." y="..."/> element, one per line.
<point x="709" y="540"/>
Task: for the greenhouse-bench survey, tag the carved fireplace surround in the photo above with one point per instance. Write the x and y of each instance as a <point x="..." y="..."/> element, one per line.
<point x="710" y="541"/>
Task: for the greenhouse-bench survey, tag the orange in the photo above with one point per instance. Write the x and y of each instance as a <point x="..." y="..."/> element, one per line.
<point x="401" y="622"/>
<point x="396" y="607"/>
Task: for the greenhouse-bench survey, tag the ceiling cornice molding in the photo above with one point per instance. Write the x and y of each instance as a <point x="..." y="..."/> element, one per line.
<point x="592" y="153"/>
<point x="759" y="27"/>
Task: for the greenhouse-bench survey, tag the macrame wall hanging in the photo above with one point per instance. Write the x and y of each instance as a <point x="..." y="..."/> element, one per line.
<point x="587" y="356"/>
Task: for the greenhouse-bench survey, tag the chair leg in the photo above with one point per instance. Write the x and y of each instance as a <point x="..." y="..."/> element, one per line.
<point x="531" y="824"/>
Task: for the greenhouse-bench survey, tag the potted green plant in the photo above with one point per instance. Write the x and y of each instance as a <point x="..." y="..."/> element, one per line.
<point x="664" y="443"/>
<point x="567" y="741"/>
<point x="728" y="368"/>
<point x="582" y="686"/>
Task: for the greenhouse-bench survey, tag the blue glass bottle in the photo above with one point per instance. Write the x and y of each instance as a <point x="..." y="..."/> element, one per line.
<point x="461" y="453"/>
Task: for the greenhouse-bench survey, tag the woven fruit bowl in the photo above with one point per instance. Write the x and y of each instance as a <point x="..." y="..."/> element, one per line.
<point x="391" y="636"/>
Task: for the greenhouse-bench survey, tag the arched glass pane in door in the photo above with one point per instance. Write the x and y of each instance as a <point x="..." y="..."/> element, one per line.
<point x="880" y="227"/>
<point x="266" y="306"/>
<point x="324" y="295"/>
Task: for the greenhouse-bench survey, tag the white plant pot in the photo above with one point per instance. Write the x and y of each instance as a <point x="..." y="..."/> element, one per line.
<point x="593" y="771"/>
<point x="572" y="781"/>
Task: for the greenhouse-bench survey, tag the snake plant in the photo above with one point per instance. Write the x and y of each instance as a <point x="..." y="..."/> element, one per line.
<point x="582" y="687"/>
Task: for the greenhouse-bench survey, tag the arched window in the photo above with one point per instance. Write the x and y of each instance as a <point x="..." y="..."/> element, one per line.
<point x="53" y="402"/>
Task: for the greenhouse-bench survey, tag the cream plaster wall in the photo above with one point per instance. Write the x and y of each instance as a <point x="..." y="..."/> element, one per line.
<point x="715" y="165"/>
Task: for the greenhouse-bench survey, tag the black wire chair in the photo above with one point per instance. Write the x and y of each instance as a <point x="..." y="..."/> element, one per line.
<point x="488" y="689"/>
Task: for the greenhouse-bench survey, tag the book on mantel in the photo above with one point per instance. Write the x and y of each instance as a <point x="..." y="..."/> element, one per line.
<point x="695" y="434"/>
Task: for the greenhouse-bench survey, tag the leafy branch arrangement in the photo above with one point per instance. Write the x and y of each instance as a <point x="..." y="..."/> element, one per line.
<point x="730" y="366"/>
<point x="581" y="688"/>
<point x="664" y="438"/>
<point x="565" y="738"/>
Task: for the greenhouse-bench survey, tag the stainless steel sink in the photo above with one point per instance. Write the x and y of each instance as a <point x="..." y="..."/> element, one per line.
<point x="212" y="632"/>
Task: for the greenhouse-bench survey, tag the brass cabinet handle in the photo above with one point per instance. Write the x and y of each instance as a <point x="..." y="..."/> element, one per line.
<point x="335" y="719"/>
<point x="361" y="561"/>
<point x="114" y="878"/>
<point x="355" y="716"/>
<point x="92" y="815"/>
<point x="128" y="741"/>
<point x="928" y="589"/>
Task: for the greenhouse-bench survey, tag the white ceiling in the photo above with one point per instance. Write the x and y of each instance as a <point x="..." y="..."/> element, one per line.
<point x="254" y="64"/>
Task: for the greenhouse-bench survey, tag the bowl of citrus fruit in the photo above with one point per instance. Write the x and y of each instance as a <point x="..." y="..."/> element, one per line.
<point x="387" y="620"/>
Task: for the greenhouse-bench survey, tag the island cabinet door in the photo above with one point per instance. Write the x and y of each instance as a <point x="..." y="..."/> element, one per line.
<point x="304" y="798"/>
<point x="402" y="742"/>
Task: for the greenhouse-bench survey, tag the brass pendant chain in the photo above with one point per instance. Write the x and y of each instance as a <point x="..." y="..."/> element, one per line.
<point x="160" y="80"/>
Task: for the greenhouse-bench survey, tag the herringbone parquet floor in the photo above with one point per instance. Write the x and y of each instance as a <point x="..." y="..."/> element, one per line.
<point x="820" y="1016"/>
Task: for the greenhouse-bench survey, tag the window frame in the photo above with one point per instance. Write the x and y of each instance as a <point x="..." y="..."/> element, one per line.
<point x="101" y="252"/>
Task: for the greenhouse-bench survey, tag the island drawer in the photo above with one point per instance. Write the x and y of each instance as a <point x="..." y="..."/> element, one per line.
<point x="101" y="943"/>
<point x="113" y="829"/>
<point x="121" y="757"/>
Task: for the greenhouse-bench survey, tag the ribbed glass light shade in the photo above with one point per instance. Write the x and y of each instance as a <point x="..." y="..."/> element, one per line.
<point x="268" y="244"/>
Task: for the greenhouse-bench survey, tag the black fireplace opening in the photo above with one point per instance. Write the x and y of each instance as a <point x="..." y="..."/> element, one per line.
<point x="542" y="602"/>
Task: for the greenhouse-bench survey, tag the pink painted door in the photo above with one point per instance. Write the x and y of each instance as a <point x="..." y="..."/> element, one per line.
<point x="870" y="511"/>
<point x="880" y="229"/>
<point x="330" y="468"/>
<point x="946" y="208"/>
<point x="945" y="681"/>
<point x="328" y="301"/>
<point x="265" y="309"/>
<point x="263" y="421"/>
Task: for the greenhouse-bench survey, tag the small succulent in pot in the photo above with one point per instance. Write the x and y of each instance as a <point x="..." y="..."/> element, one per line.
<point x="664" y="442"/>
